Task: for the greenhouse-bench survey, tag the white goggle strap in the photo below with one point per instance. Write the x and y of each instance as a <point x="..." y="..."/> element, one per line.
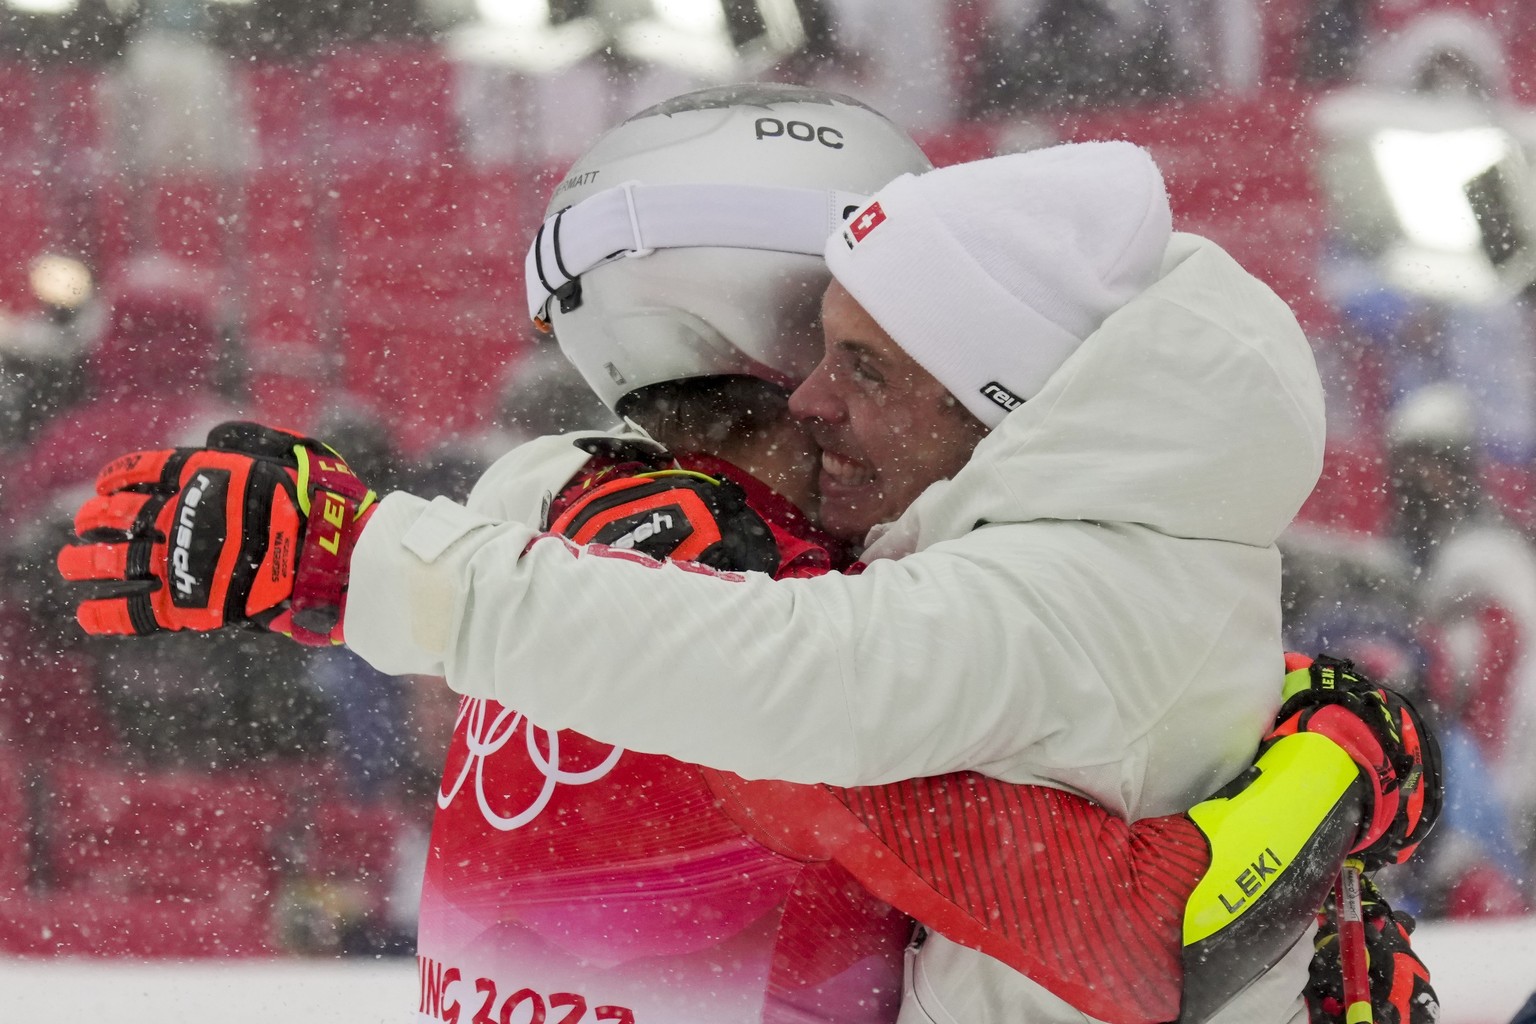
<point x="636" y="220"/>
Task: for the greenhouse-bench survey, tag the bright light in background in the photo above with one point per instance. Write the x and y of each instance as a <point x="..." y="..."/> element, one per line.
<point x="694" y="16"/>
<point x="782" y="20"/>
<point x="60" y="281"/>
<point x="518" y="34"/>
<point x="687" y="34"/>
<point x="691" y="35"/>
<point x="1426" y="175"/>
<point x="44" y="6"/>
<point x="514" y="13"/>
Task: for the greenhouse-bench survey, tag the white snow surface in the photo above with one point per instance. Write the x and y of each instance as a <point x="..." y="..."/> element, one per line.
<point x="1483" y="972"/>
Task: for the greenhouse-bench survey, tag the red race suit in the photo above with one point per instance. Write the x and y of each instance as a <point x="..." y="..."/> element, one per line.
<point x="570" y="881"/>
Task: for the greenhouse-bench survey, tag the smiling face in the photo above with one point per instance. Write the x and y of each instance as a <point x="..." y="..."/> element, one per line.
<point x="887" y="428"/>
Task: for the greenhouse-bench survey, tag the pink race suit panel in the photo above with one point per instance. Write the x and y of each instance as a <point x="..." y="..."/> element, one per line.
<point x="570" y="881"/>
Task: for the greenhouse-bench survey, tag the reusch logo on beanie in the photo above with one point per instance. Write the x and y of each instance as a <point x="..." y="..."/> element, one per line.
<point x="995" y="392"/>
<point x="990" y="274"/>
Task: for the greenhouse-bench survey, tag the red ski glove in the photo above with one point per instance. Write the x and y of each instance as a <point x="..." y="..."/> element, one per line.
<point x="1388" y="738"/>
<point x="1400" y="989"/>
<point x="669" y="513"/>
<point x="257" y="528"/>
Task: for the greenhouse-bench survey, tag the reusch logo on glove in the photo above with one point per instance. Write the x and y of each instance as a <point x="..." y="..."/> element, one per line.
<point x="653" y="527"/>
<point x="657" y="530"/>
<point x="198" y="537"/>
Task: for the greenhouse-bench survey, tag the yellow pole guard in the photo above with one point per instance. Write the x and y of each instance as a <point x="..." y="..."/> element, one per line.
<point x="1257" y="833"/>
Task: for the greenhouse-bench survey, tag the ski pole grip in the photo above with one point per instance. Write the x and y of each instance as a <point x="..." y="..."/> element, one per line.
<point x="1352" y="958"/>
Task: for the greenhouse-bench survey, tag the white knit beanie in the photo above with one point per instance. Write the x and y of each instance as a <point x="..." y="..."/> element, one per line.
<point x="991" y="273"/>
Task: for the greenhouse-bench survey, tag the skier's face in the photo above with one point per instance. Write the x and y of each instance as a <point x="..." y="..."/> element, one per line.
<point x="887" y="428"/>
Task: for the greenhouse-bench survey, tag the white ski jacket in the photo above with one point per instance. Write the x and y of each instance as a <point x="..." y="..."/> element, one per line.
<point x="1091" y="603"/>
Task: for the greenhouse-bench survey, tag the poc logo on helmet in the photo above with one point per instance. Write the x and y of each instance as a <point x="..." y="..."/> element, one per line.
<point x="1002" y="396"/>
<point x="800" y="131"/>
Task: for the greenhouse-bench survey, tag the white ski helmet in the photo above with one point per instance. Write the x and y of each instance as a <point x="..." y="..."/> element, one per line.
<point x="687" y="241"/>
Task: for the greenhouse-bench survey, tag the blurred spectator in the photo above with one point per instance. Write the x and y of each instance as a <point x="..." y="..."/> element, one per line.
<point x="530" y="80"/>
<point x="1491" y="351"/>
<point x="1488" y="347"/>
<point x="512" y="115"/>
<point x="285" y="29"/>
<point x="171" y="101"/>
<point x="1471" y="865"/>
<point x="1440" y="53"/>
<point x="909" y="73"/>
<point x="151" y="382"/>
<point x="543" y="394"/>
<point x="1426" y="611"/>
<point x="1055" y="54"/>
<point x="83" y="32"/>
<point x="1426" y="170"/>
<point x="1219" y="42"/>
<point x="1332" y="40"/>
<point x="49" y="703"/>
<point x="1476" y="596"/>
<point x="1392" y="330"/>
<point x="211" y="701"/>
<point x="369" y="721"/>
<point x="1434" y="464"/>
<point x="1342" y="591"/>
<point x="451" y="469"/>
<point x="430" y="713"/>
<point x="41" y="355"/>
<point x="358" y="430"/>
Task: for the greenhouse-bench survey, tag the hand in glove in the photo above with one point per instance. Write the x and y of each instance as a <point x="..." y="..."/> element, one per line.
<point x="669" y="513"/>
<point x="257" y="528"/>
<point x="1400" y="988"/>
<point x="1388" y="738"/>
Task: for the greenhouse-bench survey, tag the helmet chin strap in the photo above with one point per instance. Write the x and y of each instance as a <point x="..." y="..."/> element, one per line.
<point x="634" y="219"/>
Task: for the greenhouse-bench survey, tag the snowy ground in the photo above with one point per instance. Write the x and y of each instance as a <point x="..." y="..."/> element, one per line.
<point x="1483" y="973"/>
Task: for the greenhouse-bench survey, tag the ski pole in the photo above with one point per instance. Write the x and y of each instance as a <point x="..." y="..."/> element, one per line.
<point x="1352" y="958"/>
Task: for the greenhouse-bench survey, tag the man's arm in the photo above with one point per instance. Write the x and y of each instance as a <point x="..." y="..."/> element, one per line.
<point x="938" y="661"/>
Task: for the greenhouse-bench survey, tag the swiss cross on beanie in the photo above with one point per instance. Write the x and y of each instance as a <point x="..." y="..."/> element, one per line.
<point x="866" y="221"/>
<point x="991" y="273"/>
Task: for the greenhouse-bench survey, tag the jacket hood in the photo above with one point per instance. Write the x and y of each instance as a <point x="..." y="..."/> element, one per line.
<point x="1195" y="409"/>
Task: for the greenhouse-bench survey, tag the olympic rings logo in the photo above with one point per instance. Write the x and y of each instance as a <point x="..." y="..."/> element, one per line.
<point x="485" y="738"/>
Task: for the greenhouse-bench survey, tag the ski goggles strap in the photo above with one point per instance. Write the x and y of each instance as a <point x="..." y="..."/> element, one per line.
<point x="635" y="220"/>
